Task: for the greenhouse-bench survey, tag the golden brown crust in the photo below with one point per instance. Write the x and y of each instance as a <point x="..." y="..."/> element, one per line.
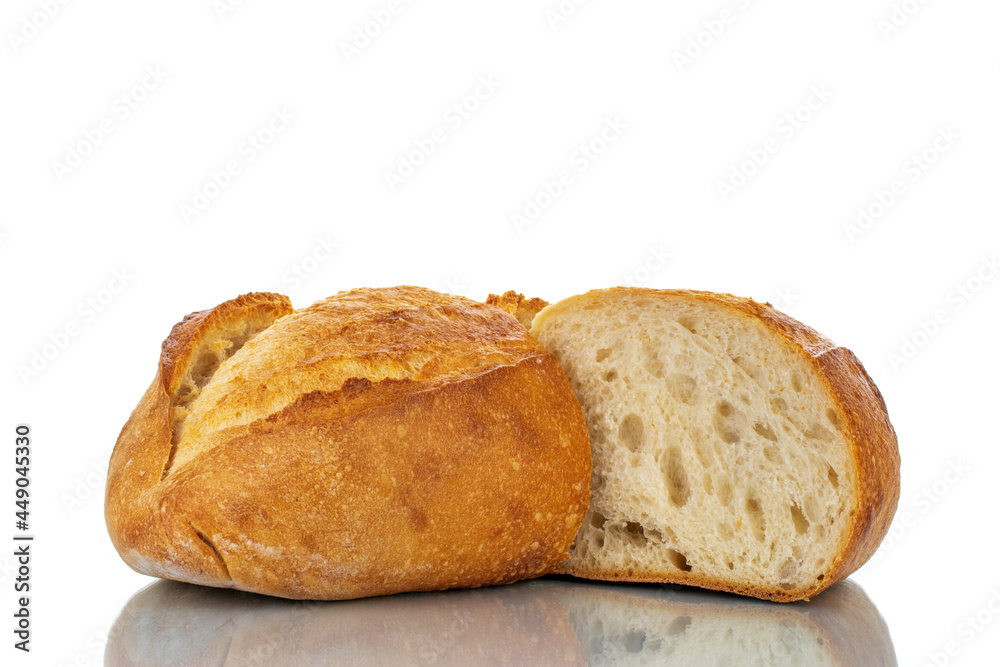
<point x="517" y="305"/>
<point x="874" y="451"/>
<point x="462" y="459"/>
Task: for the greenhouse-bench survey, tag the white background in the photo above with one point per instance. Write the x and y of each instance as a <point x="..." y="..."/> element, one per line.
<point x="784" y="235"/>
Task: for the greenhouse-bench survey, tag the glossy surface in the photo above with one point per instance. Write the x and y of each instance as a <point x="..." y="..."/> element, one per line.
<point x="543" y="622"/>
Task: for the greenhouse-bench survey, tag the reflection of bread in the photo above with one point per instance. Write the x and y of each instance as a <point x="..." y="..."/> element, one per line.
<point x="381" y="440"/>
<point x="733" y="447"/>
<point x="176" y="624"/>
<point x="529" y="623"/>
<point x="648" y="625"/>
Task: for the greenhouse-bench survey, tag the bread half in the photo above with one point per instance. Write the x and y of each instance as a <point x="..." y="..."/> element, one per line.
<point x="379" y="441"/>
<point x="733" y="447"/>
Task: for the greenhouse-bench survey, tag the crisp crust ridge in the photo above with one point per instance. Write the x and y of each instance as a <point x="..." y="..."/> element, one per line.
<point x="518" y="305"/>
<point x="183" y="340"/>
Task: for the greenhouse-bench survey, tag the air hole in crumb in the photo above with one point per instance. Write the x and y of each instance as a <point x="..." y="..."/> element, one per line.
<point x="689" y="323"/>
<point x="630" y="432"/>
<point x="678" y="560"/>
<point x="634" y="641"/>
<point x="799" y="519"/>
<point x="672" y="466"/>
<point x="778" y="404"/>
<point x="725" y="531"/>
<point x="764" y="431"/>
<point x="812" y="509"/>
<point x="725" y="422"/>
<point x="730" y="565"/>
<point x="788" y="570"/>
<point x="821" y="577"/>
<point x="835" y="419"/>
<point x="651" y="362"/>
<point x="819" y="432"/>
<point x="725" y="491"/>
<point x="603" y="353"/>
<point x="635" y="533"/>
<point x="596" y="483"/>
<point x="597" y="520"/>
<point x="832" y="475"/>
<point x="755" y="517"/>
<point x="683" y="387"/>
<point x="653" y="535"/>
<point x="678" y="626"/>
<point x="797" y="382"/>
<point x="725" y="432"/>
<point x="772" y="454"/>
<point x="747" y="367"/>
<point x="611" y="375"/>
<point x="701" y="448"/>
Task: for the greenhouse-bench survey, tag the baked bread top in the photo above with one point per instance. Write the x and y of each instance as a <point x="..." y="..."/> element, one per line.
<point x="402" y="333"/>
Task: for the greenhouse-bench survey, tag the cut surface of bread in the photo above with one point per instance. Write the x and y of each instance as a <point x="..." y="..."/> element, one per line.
<point x="733" y="447"/>
<point x="378" y="441"/>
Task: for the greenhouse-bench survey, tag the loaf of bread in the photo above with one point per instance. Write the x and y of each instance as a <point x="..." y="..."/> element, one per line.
<point x="378" y="441"/>
<point x="734" y="448"/>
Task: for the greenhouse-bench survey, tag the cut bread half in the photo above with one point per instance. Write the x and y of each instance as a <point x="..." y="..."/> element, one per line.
<point x="734" y="448"/>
